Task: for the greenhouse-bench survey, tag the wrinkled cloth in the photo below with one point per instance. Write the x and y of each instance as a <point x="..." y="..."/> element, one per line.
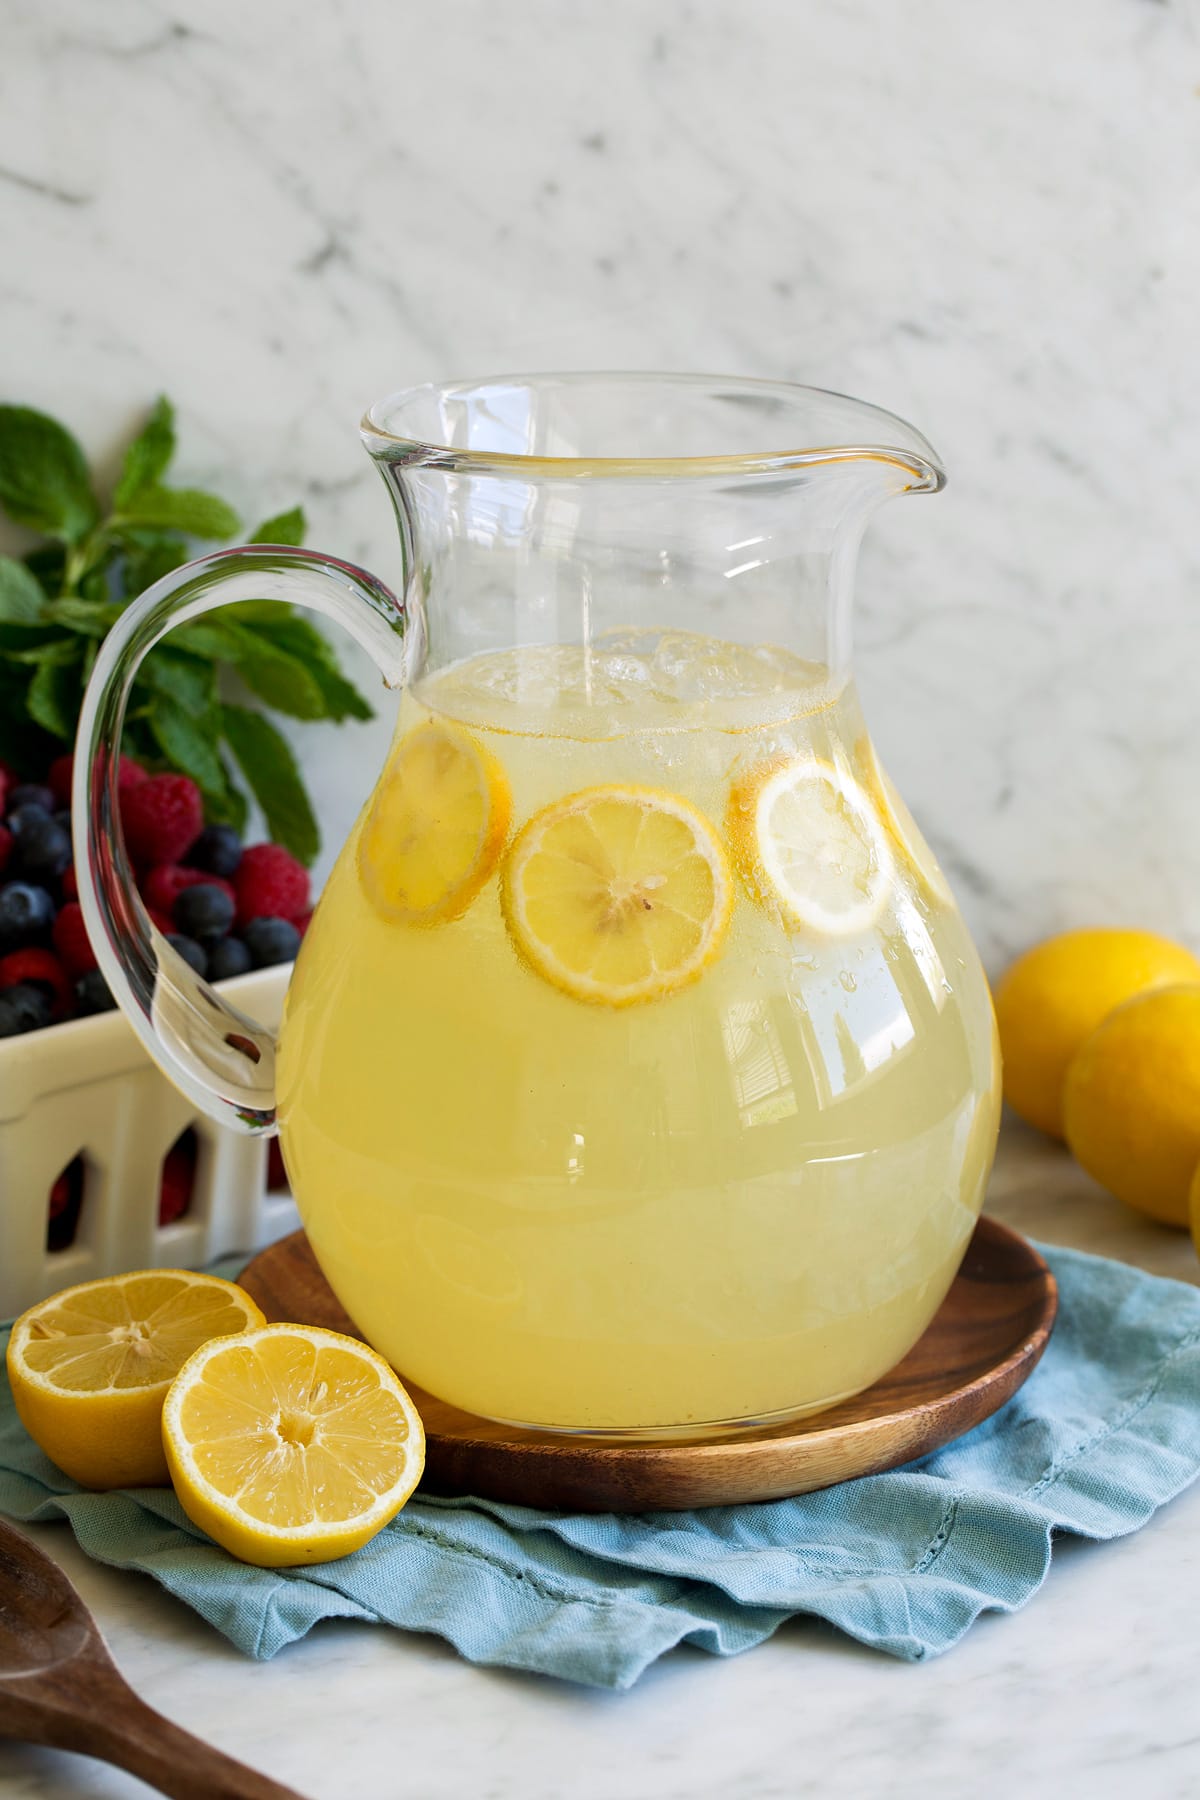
<point x="1105" y="1431"/>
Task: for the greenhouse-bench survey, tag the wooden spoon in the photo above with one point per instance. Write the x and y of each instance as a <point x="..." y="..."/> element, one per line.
<point x="59" y="1686"/>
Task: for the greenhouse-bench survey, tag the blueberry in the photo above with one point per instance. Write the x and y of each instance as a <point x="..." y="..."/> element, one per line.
<point x="26" y="914"/>
<point x="41" y="848"/>
<point x="191" y="952"/>
<point x="23" y="1007"/>
<point x="32" y="793"/>
<point x="62" y="819"/>
<point x="228" y="956"/>
<point x="92" y="993"/>
<point x="203" y="911"/>
<point x="271" y="941"/>
<point x="218" y="851"/>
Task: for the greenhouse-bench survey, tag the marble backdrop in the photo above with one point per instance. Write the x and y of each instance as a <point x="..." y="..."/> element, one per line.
<point x="984" y="217"/>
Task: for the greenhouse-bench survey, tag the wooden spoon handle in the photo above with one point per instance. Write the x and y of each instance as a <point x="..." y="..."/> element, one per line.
<point x="132" y="1736"/>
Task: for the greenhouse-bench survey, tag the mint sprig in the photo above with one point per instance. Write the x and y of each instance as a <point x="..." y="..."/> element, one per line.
<point x="58" y="602"/>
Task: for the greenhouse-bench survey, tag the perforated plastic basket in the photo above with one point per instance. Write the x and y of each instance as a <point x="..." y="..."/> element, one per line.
<point x="88" y="1089"/>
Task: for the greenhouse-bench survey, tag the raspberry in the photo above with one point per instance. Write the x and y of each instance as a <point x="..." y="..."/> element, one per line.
<point x="58" y="776"/>
<point x="161" y="817"/>
<point x="5" y="842"/>
<point x="71" y="940"/>
<point x="161" y="921"/>
<point x="178" y="1176"/>
<point x="270" y="884"/>
<point x="41" y="968"/>
<point x="69" y="885"/>
<point x="276" y="1173"/>
<point x="162" y="885"/>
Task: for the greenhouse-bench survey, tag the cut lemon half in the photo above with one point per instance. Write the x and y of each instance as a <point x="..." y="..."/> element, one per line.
<point x="89" y="1368"/>
<point x="810" y="845"/>
<point x="906" y="836"/>
<point x="618" y="894"/>
<point x="291" y="1445"/>
<point x="436" y="828"/>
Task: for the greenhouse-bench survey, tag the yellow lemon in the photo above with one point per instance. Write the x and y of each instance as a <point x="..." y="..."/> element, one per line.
<point x="810" y="846"/>
<point x="291" y="1445"/>
<point x="1194" y="1208"/>
<point x="1131" y="1105"/>
<point x="436" y="828"/>
<point x="618" y="894"/>
<point x="1058" y="992"/>
<point x="906" y="836"/>
<point x="89" y="1368"/>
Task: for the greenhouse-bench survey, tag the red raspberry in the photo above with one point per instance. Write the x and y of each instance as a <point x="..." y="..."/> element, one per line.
<point x="178" y="1177"/>
<point x="72" y="942"/>
<point x="43" y="967"/>
<point x="70" y="886"/>
<point x="58" y="777"/>
<point x="5" y="836"/>
<point x="276" y="1172"/>
<point x="163" y="921"/>
<point x="304" y="921"/>
<point x="162" y="885"/>
<point x="270" y="884"/>
<point x="161" y="817"/>
<point x="8" y="779"/>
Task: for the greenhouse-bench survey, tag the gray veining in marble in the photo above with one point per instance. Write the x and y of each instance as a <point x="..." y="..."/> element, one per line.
<point x="985" y="217"/>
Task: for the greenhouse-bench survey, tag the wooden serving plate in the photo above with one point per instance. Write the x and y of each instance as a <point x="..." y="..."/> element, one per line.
<point x="985" y="1341"/>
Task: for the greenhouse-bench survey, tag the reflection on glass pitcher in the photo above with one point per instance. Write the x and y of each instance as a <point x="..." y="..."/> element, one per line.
<point x="637" y="1072"/>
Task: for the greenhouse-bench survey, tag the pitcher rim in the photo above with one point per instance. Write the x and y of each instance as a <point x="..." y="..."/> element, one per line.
<point x="916" y="455"/>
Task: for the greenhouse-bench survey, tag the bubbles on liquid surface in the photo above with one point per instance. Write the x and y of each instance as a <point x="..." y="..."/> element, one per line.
<point x="629" y="680"/>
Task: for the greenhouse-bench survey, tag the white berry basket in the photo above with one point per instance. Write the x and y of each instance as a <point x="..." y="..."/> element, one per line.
<point x="88" y="1089"/>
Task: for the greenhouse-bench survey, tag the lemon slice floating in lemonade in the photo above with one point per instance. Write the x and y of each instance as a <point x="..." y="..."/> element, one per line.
<point x="291" y="1445"/>
<point x="811" y="846"/>
<point x="436" y="828"/>
<point x="618" y="894"/>
<point x="90" y="1368"/>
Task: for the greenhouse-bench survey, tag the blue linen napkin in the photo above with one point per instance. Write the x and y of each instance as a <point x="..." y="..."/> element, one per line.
<point x="1105" y="1431"/>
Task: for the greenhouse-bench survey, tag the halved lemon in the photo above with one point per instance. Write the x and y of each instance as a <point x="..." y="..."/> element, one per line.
<point x="437" y="826"/>
<point x="618" y="894"/>
<point x="810" y="845"/>
<point x="291" y="1445"/>
<point x="89" y="1368"/>
<point x="906" y="836"/>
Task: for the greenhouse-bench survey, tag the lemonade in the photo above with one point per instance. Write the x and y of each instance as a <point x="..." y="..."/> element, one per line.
<point x="637" y="1074"/>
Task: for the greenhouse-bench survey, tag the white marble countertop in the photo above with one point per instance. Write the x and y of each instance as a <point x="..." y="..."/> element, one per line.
<point x="1091" y="1689"/>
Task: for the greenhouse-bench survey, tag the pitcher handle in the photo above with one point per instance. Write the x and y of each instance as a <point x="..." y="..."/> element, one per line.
<point x="221" y="1059"/>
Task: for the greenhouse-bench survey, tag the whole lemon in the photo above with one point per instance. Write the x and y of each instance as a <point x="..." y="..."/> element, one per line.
<point x="1194" y="1208"/>
<point x="1058" y="992"/>
<point x="1131" y="1105"/>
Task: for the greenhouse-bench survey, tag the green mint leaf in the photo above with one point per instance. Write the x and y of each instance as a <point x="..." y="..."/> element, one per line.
<point x="53" y="698"/>
<point x="148" y="455"/>
<point x="285" y="684"/>
<point x="266" y="760"/>
<point x="288" y="631"/>
<point x="86" y="618"/>
<point x="284" y="528"/>
<point x="32" y="643"/>
<point x="43" y="476"/>
<point x="279" y="679"/>
<point x="188" y="745"/>
<point x="21" y="596"/>
<point x="47" y="563"/>
<point x="185" y="680"/>
<point x="189" y="510"/>
<point x="149" y="557"/>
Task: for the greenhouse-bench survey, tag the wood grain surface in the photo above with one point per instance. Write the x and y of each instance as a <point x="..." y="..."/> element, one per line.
<point x="986" y="1340"/>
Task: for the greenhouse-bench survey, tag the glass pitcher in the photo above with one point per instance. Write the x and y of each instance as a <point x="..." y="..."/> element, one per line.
<point x="637" y="1073"/>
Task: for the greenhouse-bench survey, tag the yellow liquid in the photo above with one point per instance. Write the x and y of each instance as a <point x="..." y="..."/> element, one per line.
<point x="742" y="1201"/>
